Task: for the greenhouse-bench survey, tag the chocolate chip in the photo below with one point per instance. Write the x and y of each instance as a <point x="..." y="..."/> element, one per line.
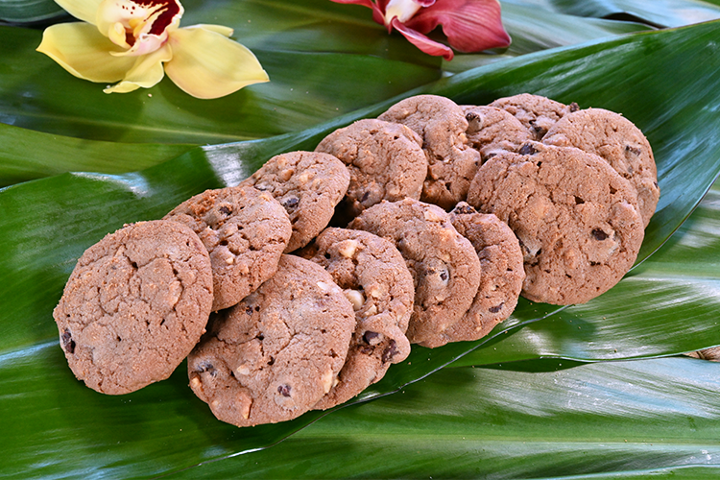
<point x="579" y="201"/>
<point x="574" y="107"/>
<point x="463" y="209"/>
<point x="67" y="341"/>
<point x="444" y="276"/>
<point x="370" y="337"/>
<point x="599" y="234"/>
<point x="539" y="131"/>
<point x="206" y="367"/>
<point x="527" y="149"/>
<point x="225" y="210"/>
<point x="272" y="361"/>
<point x="633" y="150"/>
<point x="284" y="390"/>
<point x="496" y="308"/>
<point x="290" y="203"/>
<point x="389" y="352"/>
<point x="249" y="310"/>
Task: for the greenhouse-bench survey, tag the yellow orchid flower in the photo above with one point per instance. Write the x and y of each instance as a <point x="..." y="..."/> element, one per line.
<point x="136" y="42"/>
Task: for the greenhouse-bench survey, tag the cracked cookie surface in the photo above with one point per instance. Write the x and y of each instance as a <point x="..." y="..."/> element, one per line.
<point x="374" y="277"/>
<point x="244" y="230"/>
<point x="308" y="185"/>
<point x="135" y="305"/>
<point x="385" y="160"/>
<point x="441" y="124"/>
<point x="273" y="356"/>
<point x="576" y="219"/>
<point x="537" y="113"/>
<point x="445" y="268"/>
<point x="616" y="139"/>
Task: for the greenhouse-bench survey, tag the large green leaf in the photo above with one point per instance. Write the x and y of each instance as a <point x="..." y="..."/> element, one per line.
<point x="666" y="13"/>
<point x="47" y="224"/>
<point x="27" y="155"/>
<point x="647" y="419"/>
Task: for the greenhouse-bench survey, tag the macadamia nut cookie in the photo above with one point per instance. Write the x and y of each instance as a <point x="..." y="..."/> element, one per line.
<point x="536" y="112"/>
<point x="502" y="272"/>
<point x="441" y="124"/>
<point x="244" y="230"/>
<point x="308" y="185"/>
<point x="576" y="219"/>
<point x="135" y="305"/>
<point x="375" y="279"/>
<point x="445" y="267"/>
<point x="616" y="139"/>
<point x="385" y="160"/>
<point x="273" y="356"/>
<point x="492" y="129"/>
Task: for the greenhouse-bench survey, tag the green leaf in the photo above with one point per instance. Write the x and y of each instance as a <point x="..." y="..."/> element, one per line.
<point x="645" y="419"/>
<point x="27" y="155"/>
<point x="47" y="224"/>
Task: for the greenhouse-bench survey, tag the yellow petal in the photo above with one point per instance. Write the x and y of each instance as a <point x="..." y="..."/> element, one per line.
<point x="84" y="10"/>
<point x="206" y="64"/>
<point x="147" y="71"/>
<point x="83" y="51"/>
<point x="221" y="29"/>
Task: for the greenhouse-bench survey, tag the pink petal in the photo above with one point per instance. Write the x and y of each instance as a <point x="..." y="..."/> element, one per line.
<point x="428" y="46"/>
<point x="470" y="25"/>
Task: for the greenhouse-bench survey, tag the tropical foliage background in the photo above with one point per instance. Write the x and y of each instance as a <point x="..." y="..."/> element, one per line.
<point x="600" y="390"/>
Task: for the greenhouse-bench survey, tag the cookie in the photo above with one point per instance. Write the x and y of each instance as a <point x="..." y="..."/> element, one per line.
<point x="613" y="137"/>
<point x="501" y="261"/>
<point x="452" y="163"/>
<point x="135" y="305"/>
<point x="577" y="220"/>
<point x="444" y="265"/>
<point x="273" y="356"/>
<point x="385" y="160"/>
<point x="309" y="185"/>
<point x="492" y="129"/>
<point x="375" y="279"/>
<point x="535" y="112"/>
<point x="244" y="230"/>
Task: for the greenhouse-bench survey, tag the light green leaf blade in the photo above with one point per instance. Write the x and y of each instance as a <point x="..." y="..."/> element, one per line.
<point x="27" y="155"/>
<point x="29" y="11"/>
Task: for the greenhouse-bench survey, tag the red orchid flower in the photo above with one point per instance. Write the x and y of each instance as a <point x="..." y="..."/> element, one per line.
<point x="470" y="25"/>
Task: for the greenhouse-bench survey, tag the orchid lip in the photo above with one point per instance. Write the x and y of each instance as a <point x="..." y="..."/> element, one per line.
<point x="139" y="26"/>
<point x="403" y="10"/>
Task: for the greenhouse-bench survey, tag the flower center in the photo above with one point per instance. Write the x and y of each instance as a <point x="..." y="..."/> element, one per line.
<point x="139" y="26"/>
<point x="402" y="9"/>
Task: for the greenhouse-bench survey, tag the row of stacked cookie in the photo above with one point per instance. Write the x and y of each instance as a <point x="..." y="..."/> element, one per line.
<point x="576" y="186"/>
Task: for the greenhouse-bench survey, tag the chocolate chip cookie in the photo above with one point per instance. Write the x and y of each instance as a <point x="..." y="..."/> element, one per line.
<point x="613" y="137"/>
<point x="308" y="185"/>
<point x="244" y="230"/>
<point x="375" y="279"/>
<point x="492" y="129"/>
<point x="441" y="124"/>
<point x="385" y="160"/>
<point x="135" y="305"/>
<point x="577" y="220"/>
<point x="535" y="112"/>
<point x="445" y="267"/>
<point x="502" y="272"/>
<point x="273" y="356"/>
